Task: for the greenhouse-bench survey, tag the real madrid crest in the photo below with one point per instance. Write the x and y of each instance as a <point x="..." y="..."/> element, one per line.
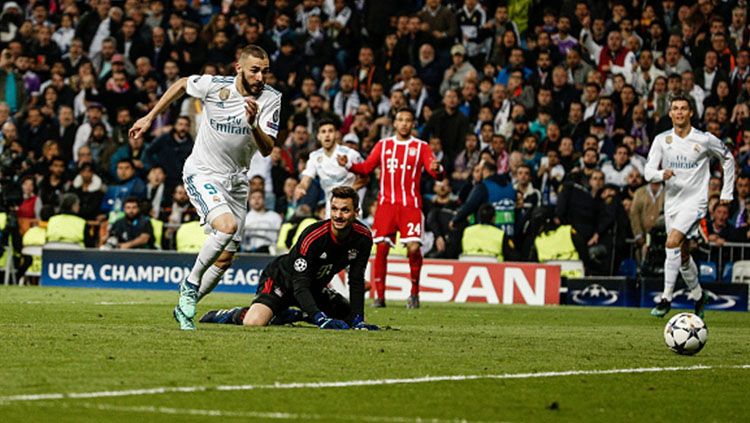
<point x="224" y="94"/>
<point x="697" y="148"/>
<point x="668" y="139"/>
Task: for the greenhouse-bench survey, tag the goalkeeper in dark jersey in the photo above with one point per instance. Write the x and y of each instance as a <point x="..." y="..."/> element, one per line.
<point x="300" y="278"/>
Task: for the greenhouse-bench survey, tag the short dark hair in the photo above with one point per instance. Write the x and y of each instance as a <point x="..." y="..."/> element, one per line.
<point x="132" y="199"/>
<point x="327" y="121"/>
<point x="344" y="191"/>
<point x="682" y="97"/>
<point x="407" y="110"/>
<point x="253" y="50"/>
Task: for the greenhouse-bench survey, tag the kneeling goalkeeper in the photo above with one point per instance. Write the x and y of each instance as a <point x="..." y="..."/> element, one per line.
<point x="300" y="278"/>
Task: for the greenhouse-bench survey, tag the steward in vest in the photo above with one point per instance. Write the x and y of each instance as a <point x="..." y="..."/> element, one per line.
<point x="190" y="237"/>
<point x="486" y="239"/>
<point x="66" y="226"/>
<point x="555" y="243"/>
<point x="290" y="231"/>
<point x="36" y="236"/>
<point x="496" y="190"/>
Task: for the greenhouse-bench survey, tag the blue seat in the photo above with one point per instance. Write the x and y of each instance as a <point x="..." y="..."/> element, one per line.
<point x="726" y="274"/>
<point x="628" y="268"/>
<point x="708" y="272"/>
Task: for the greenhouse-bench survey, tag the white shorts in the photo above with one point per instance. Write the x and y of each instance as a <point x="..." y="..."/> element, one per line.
<point x="213" y="195"/>
<point x="686" y="222"/>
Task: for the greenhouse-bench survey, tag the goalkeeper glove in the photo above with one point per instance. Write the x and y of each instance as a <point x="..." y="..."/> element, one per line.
<point x="325" y="322"/>
<point x="358" y="323"/>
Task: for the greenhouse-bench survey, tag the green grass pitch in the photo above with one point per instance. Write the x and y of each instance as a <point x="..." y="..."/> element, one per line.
<point x="63" y="341"/>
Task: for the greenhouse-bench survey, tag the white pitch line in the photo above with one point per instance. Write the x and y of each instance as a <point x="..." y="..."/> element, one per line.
<point x="354" y="383"/>
<point x="274" y="415"/>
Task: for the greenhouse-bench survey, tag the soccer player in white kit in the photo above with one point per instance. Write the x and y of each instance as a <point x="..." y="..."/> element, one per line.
<point x="681" y="158"/>
<point x="241" y="115"/>
<point x="323" y="164"/>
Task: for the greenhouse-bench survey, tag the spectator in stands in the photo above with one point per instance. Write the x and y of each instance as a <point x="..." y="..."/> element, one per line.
<point x="89" y="188"/>
<point x="493" y="189"/>
<point x="261" y="225"/>
<point x="31" y="204"/>
<point x="54" y="184"/>
<point x="449" y="125"/>
<point x="616" y="171"/>
<point x="441" y="210"/>
<point x="130" y="186"/>
<point x="157" y="194"/>
<point x="647" y="205"/>
<point x="132" y="231"/>
<point x="170" y="151"/>
<point x="133" y="151"/>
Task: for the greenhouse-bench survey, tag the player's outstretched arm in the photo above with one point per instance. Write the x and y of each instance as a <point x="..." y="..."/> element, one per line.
<point x="173" y="93"/>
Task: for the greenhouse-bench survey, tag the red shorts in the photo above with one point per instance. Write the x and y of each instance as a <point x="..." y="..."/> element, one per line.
<point x="392" y="218"/>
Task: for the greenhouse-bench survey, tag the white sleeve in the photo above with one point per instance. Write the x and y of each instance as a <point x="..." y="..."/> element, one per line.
<point x="718" y="149"/>
<point x="652" y="171"/>
<point x="268" y="121"/>
<point x="198" y="86"/>
<point x="311" y="167"/>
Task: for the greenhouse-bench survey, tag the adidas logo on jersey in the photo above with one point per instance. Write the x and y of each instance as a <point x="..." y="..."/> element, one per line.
<point x="323" y="256"/>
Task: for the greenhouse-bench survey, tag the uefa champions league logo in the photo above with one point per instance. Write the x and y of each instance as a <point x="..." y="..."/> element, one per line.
<point x="595" y="294"/>
<point x="683" y="299"/>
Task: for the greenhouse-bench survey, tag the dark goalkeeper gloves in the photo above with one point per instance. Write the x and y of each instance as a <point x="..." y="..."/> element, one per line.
<point x="325" y="322"/>
<point x="358" y="323"/>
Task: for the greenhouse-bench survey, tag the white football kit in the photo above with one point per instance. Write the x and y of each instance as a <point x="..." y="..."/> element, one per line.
<point x="215" y="172"/>
<point x="329" y="172"/>
<point x="686" y="192"/>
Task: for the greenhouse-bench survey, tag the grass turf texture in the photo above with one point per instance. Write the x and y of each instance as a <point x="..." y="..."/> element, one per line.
<point x="77" y="340"/>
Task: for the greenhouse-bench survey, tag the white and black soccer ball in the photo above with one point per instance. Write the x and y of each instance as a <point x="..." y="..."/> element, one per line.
<point x="686" y="334"/>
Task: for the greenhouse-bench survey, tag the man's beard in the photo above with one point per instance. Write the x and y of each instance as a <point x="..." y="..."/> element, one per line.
<point x="250" y="88"/>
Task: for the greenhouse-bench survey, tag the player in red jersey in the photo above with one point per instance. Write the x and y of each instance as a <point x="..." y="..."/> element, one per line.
<point x="402" y="158"/>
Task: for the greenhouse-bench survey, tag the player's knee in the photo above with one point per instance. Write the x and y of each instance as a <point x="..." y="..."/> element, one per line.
<point x="225" y="260"/>
<point x="225" y="223"/>
<point x="412" y="247"/>
<point x="252" y="319"/>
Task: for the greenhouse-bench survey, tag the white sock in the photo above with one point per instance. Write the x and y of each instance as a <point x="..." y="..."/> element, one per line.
<point x="689" y="272"/>
<point x="671" y="269"/>
<point x="210" y="279"/>
<point x="212" y="248"/>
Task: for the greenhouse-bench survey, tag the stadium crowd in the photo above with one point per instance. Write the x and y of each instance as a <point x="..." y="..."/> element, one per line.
<point x="544" y="110"/>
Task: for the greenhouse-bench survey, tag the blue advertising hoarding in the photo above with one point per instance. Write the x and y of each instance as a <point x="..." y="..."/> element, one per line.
<point x="141" y="270"/>
<point x="721" y="296"/>
<point x="602" y="292"/>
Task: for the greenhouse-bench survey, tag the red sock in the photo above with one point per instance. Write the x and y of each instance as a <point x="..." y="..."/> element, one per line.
<point x="415" y="267"/>
<point x="380" y="269"/>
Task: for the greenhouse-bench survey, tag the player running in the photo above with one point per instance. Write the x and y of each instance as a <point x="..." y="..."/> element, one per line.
<point x="300" y="278"/>
<point x="241" y="115"/>
<point x="684" y="154"/>
<point x="402" y="158"/>
<point x="323" y="163"/>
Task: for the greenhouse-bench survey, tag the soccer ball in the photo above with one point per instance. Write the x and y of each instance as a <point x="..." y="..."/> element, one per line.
<point x="686" y="334"/>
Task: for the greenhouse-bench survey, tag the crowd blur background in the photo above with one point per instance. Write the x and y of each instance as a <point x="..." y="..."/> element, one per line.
<point x="544" y="111"/>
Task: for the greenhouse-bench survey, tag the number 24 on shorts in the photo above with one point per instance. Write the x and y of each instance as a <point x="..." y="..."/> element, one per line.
<point x="412" y="229"/>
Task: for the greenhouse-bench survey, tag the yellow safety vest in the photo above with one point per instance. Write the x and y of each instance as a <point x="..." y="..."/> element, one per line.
<point x="301" y="228"/>
<point x="66" y="228"/>
<point x="190" y="237"/>
<point x="556" y="245"/>
<point x="283" y="234"/>
<point x="158" y="228"/>
<point x="4" y="258"/>
<point x="35" y="236"/>
<point x="486" y="240"/>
